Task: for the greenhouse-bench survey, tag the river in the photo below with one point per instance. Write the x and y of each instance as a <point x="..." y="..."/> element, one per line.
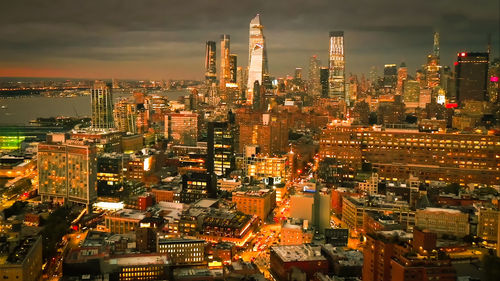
<point x="20" y="111"/>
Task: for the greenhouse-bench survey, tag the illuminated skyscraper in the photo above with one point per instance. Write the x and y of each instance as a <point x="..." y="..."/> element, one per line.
<point x="390" y="76"/>
<point x="402" y="76"/>
<point x="471" y="70"/>
<point x="233" y="64"/>
<point x="336" y="79"/>
<point x="224" y="61"/>
<point x="257" y="57"/>
<point x="210" y="68"/>
<point x="323" y="80"/>
<point x="220" y="145"/>
<point x="125" y="115"/>
<point x="101" y="101"/>
<point x="314" y="86"/>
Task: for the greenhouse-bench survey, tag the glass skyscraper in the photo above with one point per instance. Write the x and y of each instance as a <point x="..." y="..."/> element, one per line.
<point x="336" y="79"/>
<point x="471" y="70"/>
<point x="257" y="57"/>
<point x="101" y="101"/>
<point x="224" y="61"/>
<point x="210" y="68"/>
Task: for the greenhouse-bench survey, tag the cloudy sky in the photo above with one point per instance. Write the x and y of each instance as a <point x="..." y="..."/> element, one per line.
<point x="164" y="39"/>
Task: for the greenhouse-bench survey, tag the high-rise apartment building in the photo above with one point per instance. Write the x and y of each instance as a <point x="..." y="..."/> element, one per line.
<point x="314" y="86"/>
<point x="101" y="101"/>
<point x="67" y="171"/>
<point x="224" y="61"/>
<point x="125" y="116"/>
<point x="471" y="70"/>
<point x="220" y="148"/>
<point x="257" y="57"/>
<point x="336" y="65"/>
<point x="210" y="62"/>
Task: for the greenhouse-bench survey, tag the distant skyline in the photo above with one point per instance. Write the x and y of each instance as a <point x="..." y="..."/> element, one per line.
<point x="154" y="39"/>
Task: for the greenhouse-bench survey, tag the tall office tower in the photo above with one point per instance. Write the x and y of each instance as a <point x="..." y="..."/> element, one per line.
<point x="390" y="76"/>
<point x="224" y="61"/>
<point x="323" y="80"/>
<point x="182" y="128"/>
<point x="233" y="64"/>
<point x="220" y="148"/>
<point x="242" y="78"/>
<point x="314" y="86"/>
<point x="257" y="57"/>
<point x="125" y="116"/>
<point x="402" y="76"/>
<point x="337" y="65"/>
<point x="433" y="68"/>
<point x="210" y="63"/>
<point x="471" y="70"/>
<point x="411" y="92"/>
<point x="101" y="101"/>
<point x="494" y="82"/>
<point x="67" y="170"/>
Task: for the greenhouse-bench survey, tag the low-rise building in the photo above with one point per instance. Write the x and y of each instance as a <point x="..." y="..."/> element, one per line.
<point x="23" y="262"/>
<point x="255" y="202"/>
<point x="443" y="221"/>
<point x="182" y="251"/>
<point x="306" y="258"/>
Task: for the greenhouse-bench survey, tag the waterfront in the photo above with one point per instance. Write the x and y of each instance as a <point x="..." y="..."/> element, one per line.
<point x="20" y="111"/>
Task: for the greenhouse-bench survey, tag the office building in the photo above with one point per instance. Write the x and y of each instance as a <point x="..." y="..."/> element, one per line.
<point x="443" y="221"/>
<point x="402" y="77"/>
<point x="182" y="127"/>
<point x="255" y="202"/>
<point x="109" y="173"/>
<point x="123" y="221"/>
<point x="21" y="261"/>
<point x="487" y="226"/>
<point x="67" y="171"/>
<point x="323" y="81"/>
<point x="210" y="62"/>
<point x="471" y="73"/>
<point x="411" y="93"/>
<point x="225" y="51"/>
<point x="390" y="76"/>
<point x="306" y="258"/>
<point x="397" y="153"/>
<point x="182" y="251"/>
<point x="260" y="166"/>
<point x="220" y="148"/>
<point x="197" y="186"/>
<point x="336" y="80"/>
<point x="257" y="57"/>
<point x="101" y="101"/>
<point x="233" y="66"/>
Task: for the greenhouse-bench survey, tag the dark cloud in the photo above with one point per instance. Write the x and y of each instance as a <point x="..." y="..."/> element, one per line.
<point x="165" y="39"/>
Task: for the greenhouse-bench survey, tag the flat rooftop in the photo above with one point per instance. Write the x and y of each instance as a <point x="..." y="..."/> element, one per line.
<point x="138" y="260"/>
<point x="298" y="253"/>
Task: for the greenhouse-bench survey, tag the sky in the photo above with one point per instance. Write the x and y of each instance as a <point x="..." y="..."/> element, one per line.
<point x="165" y="39"/>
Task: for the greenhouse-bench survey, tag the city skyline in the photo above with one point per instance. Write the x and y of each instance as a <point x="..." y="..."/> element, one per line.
<point x="161" y="42"/>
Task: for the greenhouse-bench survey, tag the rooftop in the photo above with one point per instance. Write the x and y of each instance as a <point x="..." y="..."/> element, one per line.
<point x="138" y="260"/>
<point x="298" y="253"/>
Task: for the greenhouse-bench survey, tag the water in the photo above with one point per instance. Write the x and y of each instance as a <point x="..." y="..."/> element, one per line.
<point x="20" y="111"/>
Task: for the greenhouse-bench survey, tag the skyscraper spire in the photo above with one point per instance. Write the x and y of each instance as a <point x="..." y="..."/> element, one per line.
<point x="435" y="49"/>
<point x="257" y="57"/>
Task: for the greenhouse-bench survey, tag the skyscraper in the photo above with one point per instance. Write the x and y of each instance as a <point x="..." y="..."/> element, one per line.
<point x="323" y="80"/>
<point x="125" y="115"/>
<point x="220" y="148"/>
<point x="336" y="79"/>
<point x="101" y="101"/>
<point x="257" y="57"/>
<point x="390" y="76"/>
<point x="224" y="61"/>
<point x="233" y="64"/>
<point x="471" y="70"/>
<point x="402" y="76"/>
<point x="314" y="87"/>
<point x="432" y="68"/>
<point x="210" y="68"/>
